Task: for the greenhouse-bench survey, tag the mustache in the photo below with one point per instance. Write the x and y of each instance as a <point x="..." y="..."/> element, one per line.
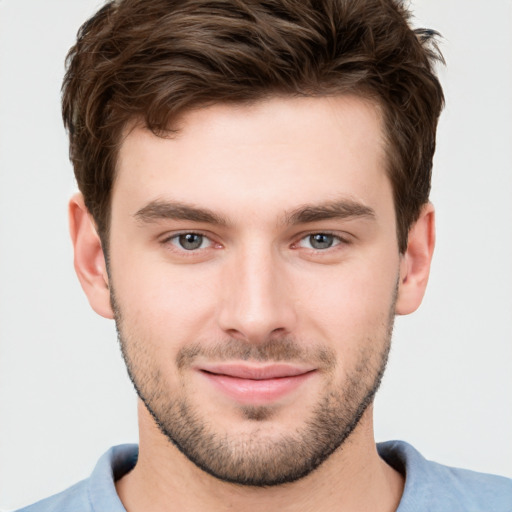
<point x="273" y="350"/>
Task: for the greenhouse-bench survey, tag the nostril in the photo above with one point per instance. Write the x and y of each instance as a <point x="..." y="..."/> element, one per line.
<point x="279" y="330"/>
<point x="235" y="334"/>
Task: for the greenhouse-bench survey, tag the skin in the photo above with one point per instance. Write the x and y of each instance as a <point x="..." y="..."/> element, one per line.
<point x="257" y="280"/>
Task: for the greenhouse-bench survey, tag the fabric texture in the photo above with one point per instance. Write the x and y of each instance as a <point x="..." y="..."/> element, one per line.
<point x="429" y="487"/>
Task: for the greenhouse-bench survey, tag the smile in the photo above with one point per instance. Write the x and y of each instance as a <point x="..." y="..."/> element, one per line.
<point x="256" y="385"/>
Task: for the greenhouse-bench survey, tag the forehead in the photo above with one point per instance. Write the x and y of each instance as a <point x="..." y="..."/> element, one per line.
<point x="263" y="157"/>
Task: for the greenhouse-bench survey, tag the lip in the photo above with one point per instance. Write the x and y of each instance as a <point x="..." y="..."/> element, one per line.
<point x="256" y="384"/>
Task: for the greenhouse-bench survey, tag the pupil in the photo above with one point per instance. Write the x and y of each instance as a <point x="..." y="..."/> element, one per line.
<point x="191" y="241"/>
<point x="321" y="241"/>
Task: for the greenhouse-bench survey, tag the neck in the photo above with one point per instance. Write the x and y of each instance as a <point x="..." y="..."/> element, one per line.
<point x="354" y="478"/>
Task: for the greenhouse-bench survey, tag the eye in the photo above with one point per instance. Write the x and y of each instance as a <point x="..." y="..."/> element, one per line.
<point x="190" y="241"/>
<point x="320" y="241"/>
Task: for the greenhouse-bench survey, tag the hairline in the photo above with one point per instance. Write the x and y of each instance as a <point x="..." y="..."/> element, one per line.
<point x="138" y="121"/>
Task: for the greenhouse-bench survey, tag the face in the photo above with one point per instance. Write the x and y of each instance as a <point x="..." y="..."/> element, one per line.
<point x="253" y="269"/>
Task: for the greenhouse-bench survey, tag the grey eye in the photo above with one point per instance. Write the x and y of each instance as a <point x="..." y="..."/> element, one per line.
<point x="321" y="241"/>
<point x="190" y="241"/>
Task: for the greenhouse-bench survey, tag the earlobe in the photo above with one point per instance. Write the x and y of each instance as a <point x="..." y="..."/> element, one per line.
<point x="415" y="262"/>
<point x="89" y="258"/>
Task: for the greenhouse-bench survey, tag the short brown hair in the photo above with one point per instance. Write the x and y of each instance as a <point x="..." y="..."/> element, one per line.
<point x="155" y="59"/>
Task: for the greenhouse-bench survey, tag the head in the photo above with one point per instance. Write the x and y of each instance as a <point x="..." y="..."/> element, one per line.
<point x="150" y="62"/>
<point x="258" y="173"/>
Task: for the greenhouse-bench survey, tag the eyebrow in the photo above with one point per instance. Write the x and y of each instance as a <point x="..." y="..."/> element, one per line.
<point x="341" y="209"/>
<point x="172" y="210"/>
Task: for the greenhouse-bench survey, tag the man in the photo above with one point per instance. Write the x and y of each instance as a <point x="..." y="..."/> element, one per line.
<point x="253" y="213"/>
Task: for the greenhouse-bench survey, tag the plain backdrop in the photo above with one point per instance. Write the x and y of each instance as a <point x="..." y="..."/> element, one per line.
<point x="64" y="395"/>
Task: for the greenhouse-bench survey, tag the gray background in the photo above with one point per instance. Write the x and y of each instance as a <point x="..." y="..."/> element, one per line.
<point x="64" y="396"/>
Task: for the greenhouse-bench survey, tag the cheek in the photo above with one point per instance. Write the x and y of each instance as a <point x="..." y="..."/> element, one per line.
<point x="163" y="304"/>
<point x="351" y="303"/>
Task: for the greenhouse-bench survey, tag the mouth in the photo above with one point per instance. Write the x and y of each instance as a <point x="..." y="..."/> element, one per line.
<point x="256" y="384"/>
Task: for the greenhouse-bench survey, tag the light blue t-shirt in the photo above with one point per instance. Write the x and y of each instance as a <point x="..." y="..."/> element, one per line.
<point x="429" y="487"/>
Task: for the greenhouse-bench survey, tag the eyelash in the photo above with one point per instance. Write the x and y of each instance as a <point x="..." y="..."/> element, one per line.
<point x="338" y="240"/>
<point x="169" y="240"/>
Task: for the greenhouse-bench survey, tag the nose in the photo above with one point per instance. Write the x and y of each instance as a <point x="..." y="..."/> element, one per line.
<point x="258" y="301"/>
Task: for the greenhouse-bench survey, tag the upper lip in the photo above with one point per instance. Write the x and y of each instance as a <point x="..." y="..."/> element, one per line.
<point x="255" y="372"/>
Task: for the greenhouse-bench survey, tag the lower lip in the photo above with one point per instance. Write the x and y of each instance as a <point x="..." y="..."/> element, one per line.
<point x="256" y="392"/>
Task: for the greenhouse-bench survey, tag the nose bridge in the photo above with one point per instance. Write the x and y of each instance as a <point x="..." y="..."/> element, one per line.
<point x="257" y="300"/>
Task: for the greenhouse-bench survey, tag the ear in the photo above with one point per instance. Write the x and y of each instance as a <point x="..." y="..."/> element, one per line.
<point x="89" y="258"/>
<point x="415" y="263"/>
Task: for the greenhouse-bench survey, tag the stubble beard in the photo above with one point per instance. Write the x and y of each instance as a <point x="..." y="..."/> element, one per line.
<point x="258" y="457"/>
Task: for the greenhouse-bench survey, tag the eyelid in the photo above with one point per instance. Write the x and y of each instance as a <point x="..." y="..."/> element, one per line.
<point x="340" y="239"/>
<point x="168" y="238"/>
<point x="170" y="235"/>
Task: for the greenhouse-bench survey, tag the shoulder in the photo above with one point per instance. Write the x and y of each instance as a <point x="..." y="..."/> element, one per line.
<point x="433" y="486"/>
<point x="75" y="499"/>
<point x="98" y="492"/>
